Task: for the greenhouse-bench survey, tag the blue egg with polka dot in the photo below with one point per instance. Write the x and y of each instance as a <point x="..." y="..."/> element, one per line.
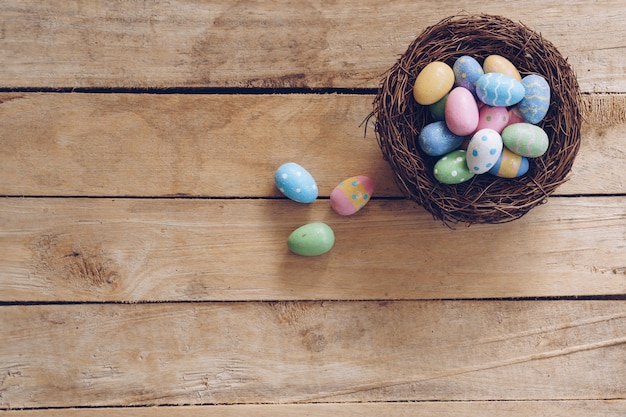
<point x="466" y="72"/>
<point x="484" y="150"/>
<point x="296" y="183"/>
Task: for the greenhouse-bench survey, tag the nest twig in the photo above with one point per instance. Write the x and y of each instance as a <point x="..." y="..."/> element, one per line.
<point x="399" y="119"/>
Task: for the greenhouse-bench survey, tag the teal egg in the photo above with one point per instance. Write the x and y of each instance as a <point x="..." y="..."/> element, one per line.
<point x="296" y="183"/>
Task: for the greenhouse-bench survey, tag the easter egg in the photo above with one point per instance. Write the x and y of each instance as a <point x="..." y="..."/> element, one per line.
<point x="351" y="195"/>
<point x="437" y="109"/>
<point x="483" y="150"/>
<point x="452" y="168"/>
<point x="433" y="82"/>
<point x="501" y="65"/>
<point x="495" y="118"/>
<point x="435" y="139"/>
<point x="461" y="112"/>
<point x="534" y="106"/>
<point x="312" y="239"/>
<point x="525" y="139"/>
<point x="497" y="89"/>
<point x="510" y="165"/>
<point x="296" y="183"/>
<point x="466" y="72"/>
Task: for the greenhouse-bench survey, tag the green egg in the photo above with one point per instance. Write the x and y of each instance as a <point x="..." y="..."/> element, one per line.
<point x="452" y="168"/>
<point x="312" y="239"/>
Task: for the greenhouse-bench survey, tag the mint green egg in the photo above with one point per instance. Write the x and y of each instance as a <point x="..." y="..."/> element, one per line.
<point x="452" y="168"/>
<point x="312" y="239"/>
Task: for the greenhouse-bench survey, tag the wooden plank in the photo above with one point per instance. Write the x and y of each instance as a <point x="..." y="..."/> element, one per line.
<point x="230" y="145"/>
<point x="276" y="44"/>
<point x="168" y="250"/>
<point x="598" y="408"/>
<point x="246" y="353"/>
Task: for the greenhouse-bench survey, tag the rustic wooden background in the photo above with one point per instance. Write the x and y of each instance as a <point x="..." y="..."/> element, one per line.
<point x="143" y="260"/>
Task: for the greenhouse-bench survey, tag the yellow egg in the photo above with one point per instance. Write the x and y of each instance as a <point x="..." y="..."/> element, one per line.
<point x="433" y="83"/>
<point x="499" y="64"/>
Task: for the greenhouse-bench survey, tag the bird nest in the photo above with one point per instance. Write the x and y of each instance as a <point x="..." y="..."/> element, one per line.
<point x="399" y="120"/>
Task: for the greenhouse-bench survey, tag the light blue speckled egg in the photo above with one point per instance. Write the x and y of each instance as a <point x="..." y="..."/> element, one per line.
<point x="534" y="106"/>
<point x="435" y="139"/>
<point x="497" y="89"/>
<point x="466" y="72"/>
<point x="296" y="183"/>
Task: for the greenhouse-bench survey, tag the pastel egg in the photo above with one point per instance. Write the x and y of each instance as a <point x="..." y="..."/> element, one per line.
<point x="452" y="168"/>
<point x="466" y="72"/>
<point x="483" y="150"/>
<point x="510" y="165"/>
<point x="437" y="109"/>
<point x="296" y="183"/>
<point x="461" y="112"/>
<point x="495" y="118"/>
<point x="435" y="139"/>
<point x="351" y="195"/>
<point x="534" y="106"/>
<point x="311" y="239"/>
<point x="433" y="82"/>
<point x="497" y="89"/>
<point x="525" y="139"/>
<point x="501" y="65"/>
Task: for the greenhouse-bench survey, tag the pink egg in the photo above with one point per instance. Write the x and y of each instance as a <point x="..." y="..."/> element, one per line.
<point x="495" y="118"/>
<point x="351" y="195"/>
<point x="461" y="112"/>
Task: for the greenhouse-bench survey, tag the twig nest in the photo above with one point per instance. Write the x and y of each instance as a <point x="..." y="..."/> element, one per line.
<point x="400" y="120"/>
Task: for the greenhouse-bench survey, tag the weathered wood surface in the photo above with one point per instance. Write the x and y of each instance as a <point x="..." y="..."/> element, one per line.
<point x="166" y="250"/>
<point x="142" y="242"/>
<point x="225" y="353"/>
<point x="230" y="145"/>
<point x="561" y="408"/>
<point x="314" y="43"/>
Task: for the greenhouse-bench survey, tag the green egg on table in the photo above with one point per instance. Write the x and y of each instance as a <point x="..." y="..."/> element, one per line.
<point x="311" y="239"/>
<point x="452" y="168"/>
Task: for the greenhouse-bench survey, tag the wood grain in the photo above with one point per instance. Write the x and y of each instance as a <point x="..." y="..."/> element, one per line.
<point x="154" y="354"/>
<point x="563" y="408"/>
<point x="230" y="145"/>
<point x="167" y="250"/>
<point x="320" y="44"/>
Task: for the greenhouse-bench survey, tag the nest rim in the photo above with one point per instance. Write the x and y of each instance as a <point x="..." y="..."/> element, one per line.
<point x="399" y="119"/>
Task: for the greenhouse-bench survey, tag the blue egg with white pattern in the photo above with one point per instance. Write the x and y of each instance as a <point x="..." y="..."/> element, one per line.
<point x="436" y="139"/>
<point x="497" y="89"/>
<point x="484" y="150"/>
<point x="467" y="71"/>
<point x="534" y="106"/>
<point x="296" y="183"/>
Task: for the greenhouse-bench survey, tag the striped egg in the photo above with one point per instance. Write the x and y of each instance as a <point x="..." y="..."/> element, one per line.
<point x="497" y="89"/>
<point x="510" y="165"/>
<point x="351" y="195"/>
<point x="525" y="139"/>
<point x="534" y="106"/>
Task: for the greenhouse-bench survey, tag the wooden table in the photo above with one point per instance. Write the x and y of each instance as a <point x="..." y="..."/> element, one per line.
<point x="143" y="261"/>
